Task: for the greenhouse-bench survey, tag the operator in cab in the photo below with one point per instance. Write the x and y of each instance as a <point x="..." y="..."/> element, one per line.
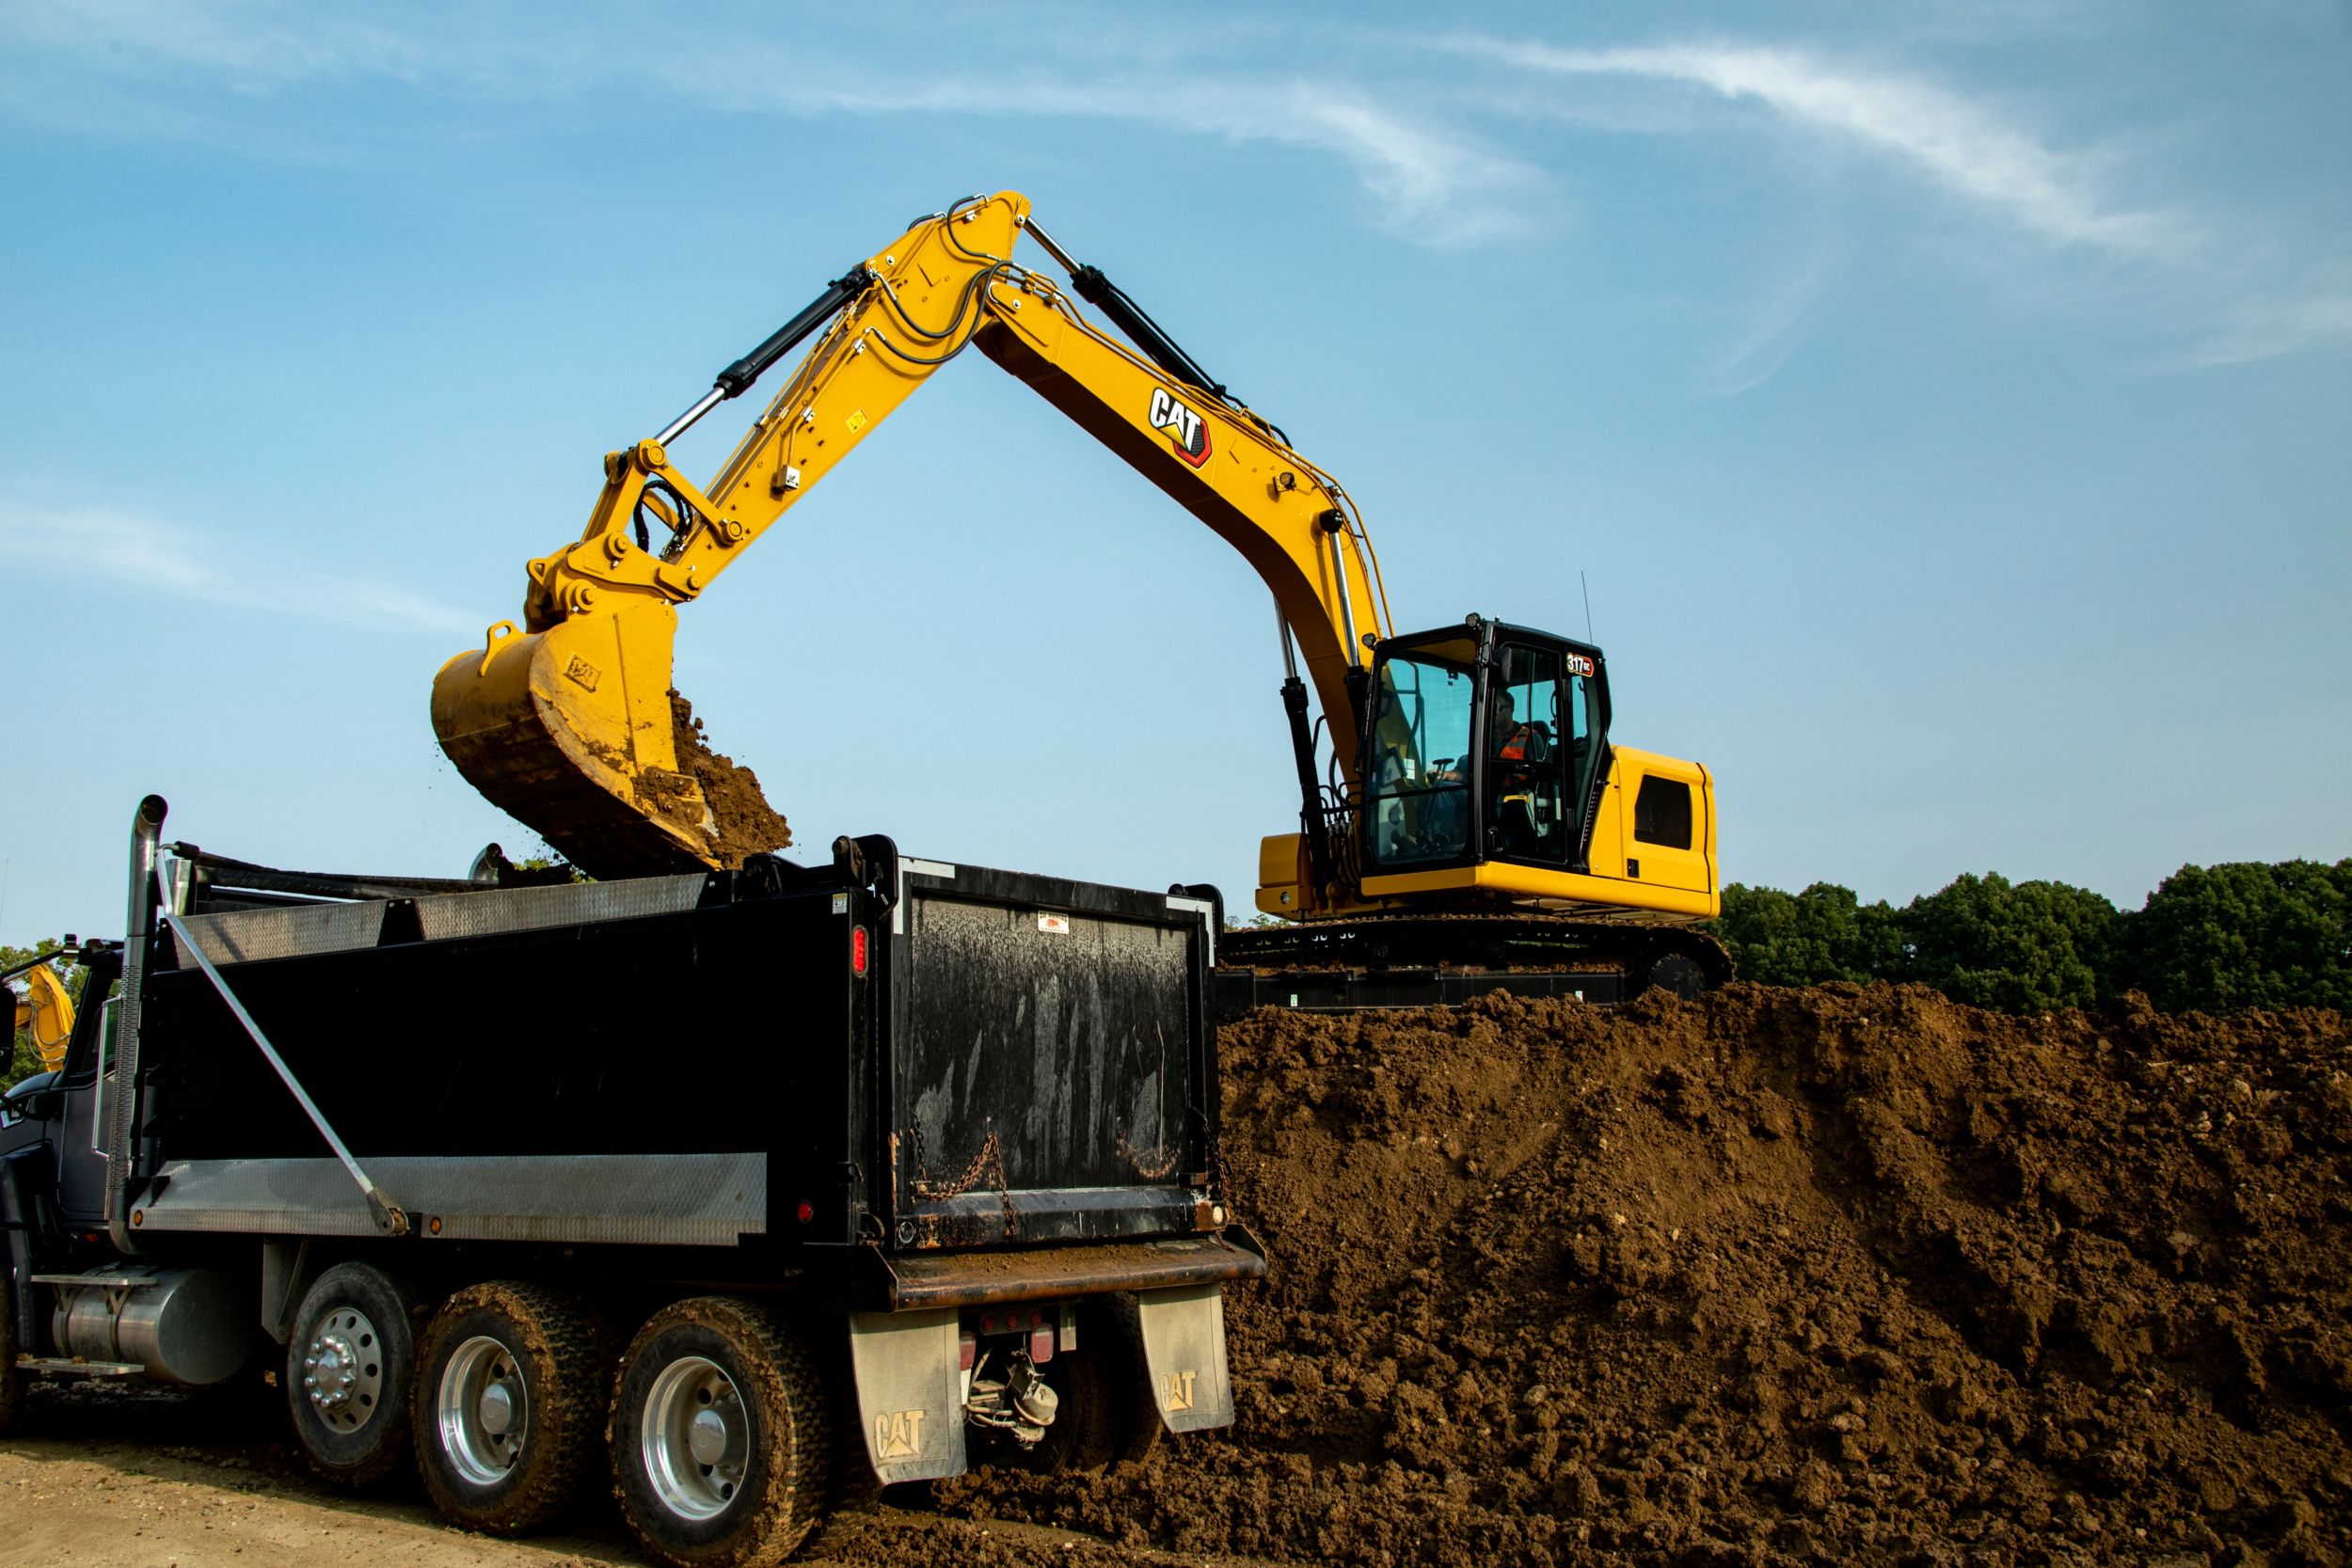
<point x="1517" y="740"/>
<point x="1522" y="754"/>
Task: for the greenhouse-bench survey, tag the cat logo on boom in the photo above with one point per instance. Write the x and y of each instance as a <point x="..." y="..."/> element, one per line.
<point x="1186" y="431"/>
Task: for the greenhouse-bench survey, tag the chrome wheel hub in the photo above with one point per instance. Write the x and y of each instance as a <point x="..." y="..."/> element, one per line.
<point x="696" y="1438"/>
<point x="343" y="1370"/>
<point x="482" y="1411"/>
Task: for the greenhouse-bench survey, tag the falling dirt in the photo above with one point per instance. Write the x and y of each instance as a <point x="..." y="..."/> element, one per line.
<point x="747" y="824"/>
<point x="1779" y="1276"/>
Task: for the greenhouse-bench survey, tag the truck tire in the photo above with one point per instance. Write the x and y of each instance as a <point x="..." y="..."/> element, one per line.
<point x="11" y="1379"/>
<point x="1109" y="1417"/>
<point x="349" y="1364"/>
<point x="511" y="1388"/>
<point x="719" y="1436"/>
<point x="1144" y="1429"/>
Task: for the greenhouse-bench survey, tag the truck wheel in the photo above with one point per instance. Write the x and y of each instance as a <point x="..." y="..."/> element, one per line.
<point x="719" y="1437"/>
<point x="349" y="1363"/>
<point x="510" y="1395"/>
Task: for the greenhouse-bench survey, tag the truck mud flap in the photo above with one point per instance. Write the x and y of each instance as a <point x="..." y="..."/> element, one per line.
<point x="909" y="1393"/>
<point x="1183" y="1350"/>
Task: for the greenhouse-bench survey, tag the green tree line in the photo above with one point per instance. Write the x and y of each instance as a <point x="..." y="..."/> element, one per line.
<point x="2212" y="938"/>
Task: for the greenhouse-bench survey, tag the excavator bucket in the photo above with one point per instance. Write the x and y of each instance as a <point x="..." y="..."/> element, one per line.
<point x="574" y="731"/>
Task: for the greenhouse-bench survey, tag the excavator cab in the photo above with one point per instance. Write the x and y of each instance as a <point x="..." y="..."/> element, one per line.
<point x="1481" y="742"/>
<point x="1489" y="784"/>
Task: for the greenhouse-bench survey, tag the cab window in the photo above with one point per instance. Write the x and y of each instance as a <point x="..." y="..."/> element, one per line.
<point x="1418" y="791"/>
<point x="91" y="1036"/>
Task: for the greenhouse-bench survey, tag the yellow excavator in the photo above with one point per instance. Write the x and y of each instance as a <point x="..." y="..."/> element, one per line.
<point x="1470" y="818"/>
<point x="46" y="1009"/>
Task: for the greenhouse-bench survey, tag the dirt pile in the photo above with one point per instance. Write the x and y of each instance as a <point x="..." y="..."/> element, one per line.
<point x="1777" y="1276"/>
<point x="746" y="823"/>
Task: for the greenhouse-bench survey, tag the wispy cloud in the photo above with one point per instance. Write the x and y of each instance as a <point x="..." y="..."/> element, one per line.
<point x="1438" y="154"/>
<point x="1771" y="335"/>
<point x="1955" y="142"/>
<point x="1432" y="183"/>
<point x="147" y="556"/>
<point x="1435" y="184"/>
<point x="2263" y="327"/>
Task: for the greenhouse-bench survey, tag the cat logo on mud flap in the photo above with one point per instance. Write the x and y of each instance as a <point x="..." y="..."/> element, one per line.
<point x="1186" y="431"/>
<point x="898" y="1433"/>
<point x="1176" y="1391"/>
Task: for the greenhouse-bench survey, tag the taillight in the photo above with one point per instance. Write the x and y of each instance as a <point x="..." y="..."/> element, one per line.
<point x="857" y="949"/>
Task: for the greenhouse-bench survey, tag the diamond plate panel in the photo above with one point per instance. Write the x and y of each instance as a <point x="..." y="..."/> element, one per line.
<point x="242" y="936"/>
<point x="534" y="908"/>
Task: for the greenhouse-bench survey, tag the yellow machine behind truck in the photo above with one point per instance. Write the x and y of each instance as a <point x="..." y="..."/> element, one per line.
<point x="46" y="1009"/>
<point x="1464" y="817"/>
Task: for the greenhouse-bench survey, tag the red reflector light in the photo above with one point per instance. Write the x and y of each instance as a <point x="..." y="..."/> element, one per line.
<point x="857" y="949"/>
<point x="807" y="1211"/>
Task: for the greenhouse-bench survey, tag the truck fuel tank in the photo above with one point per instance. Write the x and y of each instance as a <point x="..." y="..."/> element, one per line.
<point x="189" y="1326"/>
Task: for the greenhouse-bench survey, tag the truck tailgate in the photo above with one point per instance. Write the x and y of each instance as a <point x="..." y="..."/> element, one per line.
<point x="1049" y="1045"/>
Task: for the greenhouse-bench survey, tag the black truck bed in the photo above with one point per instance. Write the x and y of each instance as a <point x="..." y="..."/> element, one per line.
<point x="883" y="1056"/>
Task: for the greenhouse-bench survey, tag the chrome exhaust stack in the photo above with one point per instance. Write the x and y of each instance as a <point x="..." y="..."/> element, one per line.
<point x="138" y="926"/>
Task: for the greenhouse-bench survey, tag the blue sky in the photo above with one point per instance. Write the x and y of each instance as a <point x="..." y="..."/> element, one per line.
<point x="1948" y="408"/>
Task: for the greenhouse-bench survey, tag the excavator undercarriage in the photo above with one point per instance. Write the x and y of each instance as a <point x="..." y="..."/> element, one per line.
<point x="1438" y="961"/>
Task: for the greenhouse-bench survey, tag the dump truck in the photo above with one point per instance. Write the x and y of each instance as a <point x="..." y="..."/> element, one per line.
<point x="742" y="1187"/>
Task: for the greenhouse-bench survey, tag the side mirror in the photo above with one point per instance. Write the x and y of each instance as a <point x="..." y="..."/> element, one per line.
<point x="39" y="1098"/>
